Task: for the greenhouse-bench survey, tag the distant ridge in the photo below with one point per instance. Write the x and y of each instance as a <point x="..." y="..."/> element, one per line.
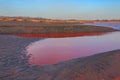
<point x="39" y="19"/>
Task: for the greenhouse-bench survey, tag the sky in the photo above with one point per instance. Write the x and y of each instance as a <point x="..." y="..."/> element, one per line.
<point x="62" y="9"/>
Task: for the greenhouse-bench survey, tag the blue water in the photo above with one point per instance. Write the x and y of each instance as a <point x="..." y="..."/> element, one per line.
<point x="106" y="24"/>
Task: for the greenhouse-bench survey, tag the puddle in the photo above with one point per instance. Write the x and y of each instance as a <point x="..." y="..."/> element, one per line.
<point x="54" y="50"/>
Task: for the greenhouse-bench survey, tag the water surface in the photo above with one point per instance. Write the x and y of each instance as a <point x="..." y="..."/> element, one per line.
<point x="106" y="24"/>
<point x="53" y="50"/>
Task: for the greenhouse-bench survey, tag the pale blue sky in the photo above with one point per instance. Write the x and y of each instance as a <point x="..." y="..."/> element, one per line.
<point x="62" y="9"/>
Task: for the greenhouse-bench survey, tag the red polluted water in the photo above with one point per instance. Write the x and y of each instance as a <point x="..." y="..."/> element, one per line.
<point x="59" y="35"/>
<point x="54" y="50"/>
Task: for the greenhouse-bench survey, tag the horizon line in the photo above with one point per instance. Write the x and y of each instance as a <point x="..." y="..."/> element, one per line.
<point x="35" y="17"/>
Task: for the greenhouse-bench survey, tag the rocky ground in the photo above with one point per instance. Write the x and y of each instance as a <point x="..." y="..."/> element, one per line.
<point x="14" y="64"/>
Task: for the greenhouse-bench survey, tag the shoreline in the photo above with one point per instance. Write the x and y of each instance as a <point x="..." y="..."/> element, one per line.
<point x="14" y="63"/>
<point x="59" y="35"/>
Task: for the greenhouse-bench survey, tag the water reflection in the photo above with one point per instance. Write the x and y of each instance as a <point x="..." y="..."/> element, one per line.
<point x="53" y="50"/>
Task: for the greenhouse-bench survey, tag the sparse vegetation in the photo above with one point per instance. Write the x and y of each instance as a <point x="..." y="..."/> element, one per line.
<point x="21" y="25"/>
<point x="29" y="28"/>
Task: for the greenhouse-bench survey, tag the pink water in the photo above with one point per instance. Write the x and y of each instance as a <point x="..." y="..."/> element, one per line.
<point x="54" y="50"/>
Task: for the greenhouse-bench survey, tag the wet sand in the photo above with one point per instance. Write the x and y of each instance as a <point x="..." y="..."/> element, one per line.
<point x="14" y="64"/>
<point x="13" y="59"/>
